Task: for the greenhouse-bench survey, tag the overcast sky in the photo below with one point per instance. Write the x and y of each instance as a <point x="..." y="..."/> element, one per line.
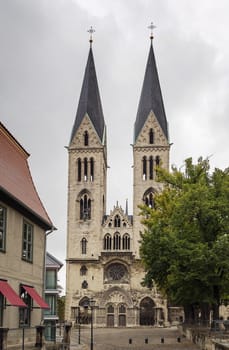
<point x="44" y="49"/>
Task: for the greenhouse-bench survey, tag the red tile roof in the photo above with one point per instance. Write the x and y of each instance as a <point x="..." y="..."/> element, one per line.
<point x="15" y="176"/>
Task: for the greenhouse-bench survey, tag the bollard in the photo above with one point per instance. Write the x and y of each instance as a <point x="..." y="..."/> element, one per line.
<point x="3" y="338"/>
<point x="130" y="341"/>
<point x="162" y="340"/>
<point x="146" y="340"/>
<point x="39" y="336"/>
<point x="67" y="333"/>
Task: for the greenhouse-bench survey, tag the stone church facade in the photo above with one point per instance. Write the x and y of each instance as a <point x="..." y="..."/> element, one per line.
<point x="103" y="259"/>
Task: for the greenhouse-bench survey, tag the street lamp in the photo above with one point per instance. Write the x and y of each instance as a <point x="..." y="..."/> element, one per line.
<point x="78" y="319"/>
<point x="92" y="305"/>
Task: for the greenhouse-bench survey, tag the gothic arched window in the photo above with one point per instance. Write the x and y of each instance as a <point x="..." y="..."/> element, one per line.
<point x="86" y="138"/>
<point x="85" y="208"/>
<point x="151" y="168"/>
<point x="151" y="136"/>
<point x="126" y="242"/>
<point x="117" y="241"/>
<point x="85" y="169"/>
<point x="91" y="169"/>
<point x="122" y="309"/>
<point x="148" y="198"/>
<point x="84" y="246"/>
<point x="83" y="270"/>
<point x="117" y="221"/>
<point x="110" y="309"/>
<point x="84" y="285"/>
<point x="144" y="168"/>
<point x="79" y="169"/>
<point x="107" y="242"/>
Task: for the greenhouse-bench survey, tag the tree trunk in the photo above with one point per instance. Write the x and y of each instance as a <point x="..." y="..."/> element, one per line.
<point x="215" y="306"/>
<point x="189" y="313"/>
<point x="205" y="313"/>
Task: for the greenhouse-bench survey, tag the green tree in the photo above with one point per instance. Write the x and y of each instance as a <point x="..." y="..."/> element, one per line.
<point x="185" y="246"/>
<point x="61" y="307"/>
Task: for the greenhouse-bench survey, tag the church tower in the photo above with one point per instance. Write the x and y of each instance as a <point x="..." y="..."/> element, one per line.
<point x="87" y="179"/>
<point x="151" y="142"/>
<point x="103" y="259"/>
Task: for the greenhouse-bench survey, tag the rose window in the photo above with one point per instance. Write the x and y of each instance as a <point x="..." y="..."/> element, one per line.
<point x="116" y="272"/>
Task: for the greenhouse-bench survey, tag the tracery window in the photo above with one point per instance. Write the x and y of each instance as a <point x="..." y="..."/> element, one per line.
<point x="84" y="246"/>
<point x="116" y="272"/>
<point x="151" y="136"/>
<point x="110" y="309"/>
<point x="122" y="309"/>
<point x="85" y="207"/>
<point x="148" y="198"/>
<point x="117" y="241"/>
<point x="126" y="242"/>
<point x="107" y="243"/>
<point x="117" y="221"/>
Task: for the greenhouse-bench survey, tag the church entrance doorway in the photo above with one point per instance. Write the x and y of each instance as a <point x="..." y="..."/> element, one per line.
<point x="147" y="317"/>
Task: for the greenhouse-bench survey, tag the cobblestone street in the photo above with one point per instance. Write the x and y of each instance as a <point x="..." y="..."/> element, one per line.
<point x="131" y="338"/>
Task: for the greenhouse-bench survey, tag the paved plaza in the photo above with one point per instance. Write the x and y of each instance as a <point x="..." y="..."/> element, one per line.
<point x="131" y="338"/>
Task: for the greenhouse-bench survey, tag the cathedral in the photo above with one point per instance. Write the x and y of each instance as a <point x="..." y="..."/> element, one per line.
<point x="103" y="260"/>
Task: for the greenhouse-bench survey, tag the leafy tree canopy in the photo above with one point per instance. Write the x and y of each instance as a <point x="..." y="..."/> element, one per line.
<point x="185" y="246"/>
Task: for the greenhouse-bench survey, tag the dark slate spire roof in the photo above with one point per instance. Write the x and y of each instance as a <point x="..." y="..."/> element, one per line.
<point x="151" y="98"/>
<point x="89" y="101"/>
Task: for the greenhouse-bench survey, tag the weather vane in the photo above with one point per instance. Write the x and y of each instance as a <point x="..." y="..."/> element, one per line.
<point x="151" y="27"/>
<point x="91" y="31"/>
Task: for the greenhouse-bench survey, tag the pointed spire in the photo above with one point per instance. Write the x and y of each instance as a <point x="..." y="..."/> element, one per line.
<point x="151" y="97"/>
<point x="89" y="101"/>
<point x="126" y="207"/>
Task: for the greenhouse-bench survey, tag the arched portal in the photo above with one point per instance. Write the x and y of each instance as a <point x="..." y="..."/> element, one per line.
<point x="147" y="312"/>
<point x="85" y="317"/>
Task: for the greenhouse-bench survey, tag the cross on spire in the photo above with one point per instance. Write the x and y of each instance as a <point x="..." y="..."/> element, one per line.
<point x="91" y="31"/>
<point x="151" y="27"/>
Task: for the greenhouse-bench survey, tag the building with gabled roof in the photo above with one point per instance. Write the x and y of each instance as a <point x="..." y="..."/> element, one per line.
<point x="24" y="226"/>
<point x="103" y="260"/>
